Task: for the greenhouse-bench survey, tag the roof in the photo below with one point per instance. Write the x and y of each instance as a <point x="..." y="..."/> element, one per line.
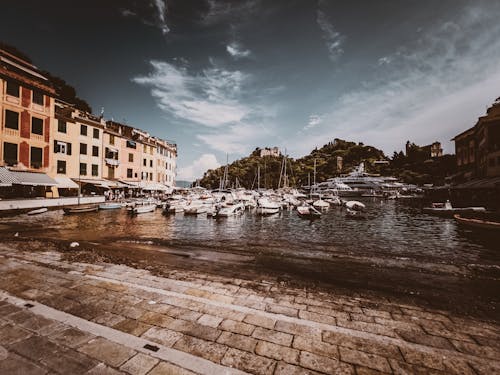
<point x="65" y="183"/>
<point x="10" y="177"/>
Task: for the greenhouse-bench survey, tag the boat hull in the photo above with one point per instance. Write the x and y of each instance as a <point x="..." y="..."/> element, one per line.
<point x="485" y="225"/>
<point x="80" y="209"/>
<point x="38" y="211"/>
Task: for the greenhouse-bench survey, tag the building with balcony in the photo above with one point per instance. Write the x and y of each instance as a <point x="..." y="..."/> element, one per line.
<point x="26" y="110"/>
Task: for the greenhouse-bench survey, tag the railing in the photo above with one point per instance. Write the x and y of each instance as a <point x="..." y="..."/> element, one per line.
<point x="37" y="137"/>
<point x="11" y="132"/>
<point x="113" y="162"/>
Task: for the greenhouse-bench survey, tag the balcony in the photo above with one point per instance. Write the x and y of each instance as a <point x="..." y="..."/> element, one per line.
<point x="112" y="162"/>
<point x="11" y="132"/>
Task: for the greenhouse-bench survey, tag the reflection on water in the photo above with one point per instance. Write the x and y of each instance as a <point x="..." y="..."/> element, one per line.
<point x="393" y="230"/>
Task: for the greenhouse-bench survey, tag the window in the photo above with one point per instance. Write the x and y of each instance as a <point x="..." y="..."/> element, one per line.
<point x="61" y="126"/>
<point x="131" y="144"/>
<point x="62" y="147"/>
<point x="83" y="169"/>
<point x="129" y="173"/>
<point x="96" y="133"/>
<point x="151" y="163"/>
<point x="111" y="139"/>
<point x="83" y="149"/>
<point x="135" y="175"/>
<point x="144" y="162"/>
<point x="37" y="126"/>
<point x="61" y="166"/>
<point x="10" y="153"/>
<point x="37" y="97"/>
<point x="12" y="88"/>
<point x="95" y="170"/>
<point x="11" y="120"/>
<point x="36" y="158"/>
<point x="150" y="176"/>
<point x="95" y="151"/>
<point x="83" y="129"/>
<point x="130" y="158"/>
<point x="145" y="148"/>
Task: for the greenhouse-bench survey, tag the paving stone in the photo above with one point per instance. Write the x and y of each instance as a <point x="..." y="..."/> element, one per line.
<point x="431" y="360"/>
<point x="69" y="362"/>
<point x="324" y="364"/>
<point x="134" y="327"/>
<point x="237" y="327"/>
<point x="209" y="320"/>
<point x="8" y="309"/>
<point x="364" y="345"/>
<point x="139" y="364"/>
<point x="287" y="369"/>
<point x="276" y="337"/>
<point x="425" y="339"/>
<point x="38" y="324"/>
<point x="483" y="368"/>
<point x="185" y="314"/>
<point x="261" y="321"/>
<point x="296" y="329"/>
<point x="10" y="334"/>
<point x="108" y="319"/>
<point x="107" y="351"/>
<point x="164" y="368"/>
<point x="315" y="317"/>
<point x="364" y="359"/>
<point x="284" y="310"/>
<point x="401" y="368"/>
<point x="196" y="330"/>
<point x="248" y="362"/>
<point x="102" y="369"/>
<point x="360" y="370"/>
<point x="237" y="341"/>
<point x="316" y="346"/>
<point x="71" y="337"/>
<point x="162" y="336"/>
<point x="35" y="348"/>
<point x="156" y="319"/>
<point x="362" y="318"/>
<point x="367" y="327"/>
<point x="17" y="365"/>
<point x="201" y="348"/>
<point x="278" y="352"/>
<point x="480" y="351"/>
<point x="329" y="312"/>
<point x="19" y="317"/>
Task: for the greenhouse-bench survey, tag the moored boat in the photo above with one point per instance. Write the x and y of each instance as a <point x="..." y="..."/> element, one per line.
<point x="38" y="211"/>
<point x="447" y="210"/>
<point x="308" y="212"/>
<point x="267" y="207"/>
<point x="355" y="205"/>
<point x="476" y="223"/>
<point x="141" y="209"/>
<point x="110" y="206"/>
<point x="81" y="209"/>
<point x="231" y="210"/>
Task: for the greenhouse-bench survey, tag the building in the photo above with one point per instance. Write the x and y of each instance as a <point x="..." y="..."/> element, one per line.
<point x="478" y="148"/>
<point x="270" y="151"/>
<point x="434" y="150"/>
<point x="26" y="110"/>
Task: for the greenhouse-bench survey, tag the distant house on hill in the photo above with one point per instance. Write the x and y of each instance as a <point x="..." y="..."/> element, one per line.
<point x="270" y="151"/>
<point x="434" y="150"/>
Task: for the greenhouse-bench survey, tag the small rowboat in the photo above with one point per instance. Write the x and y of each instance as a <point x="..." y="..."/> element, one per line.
<point x="81" y="209"/>
<point x="478" y="223"/>
<point x="308" y="212"/>
<point x="110" y="206"/>
<point x="38" y="211"/>
<point x="355" y="205"/>
<point x="141" y="209"/>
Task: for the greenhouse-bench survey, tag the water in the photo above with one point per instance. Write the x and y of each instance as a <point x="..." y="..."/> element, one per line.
<point x="398" y="251"/>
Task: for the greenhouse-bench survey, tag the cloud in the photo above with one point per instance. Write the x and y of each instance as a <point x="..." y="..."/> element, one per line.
<point x="229" y="10"/>
<point x="199" y="166"/>
<point x="154" y="15"/>
<point x="436" y="88"/>
<point x="333" y="39"/>
<point x="386" y="60"/>
<point x="236" y="50"/>
<point x="314" y="120"/>
<point x="161" y="11"/>
<point x="209" y="98"/>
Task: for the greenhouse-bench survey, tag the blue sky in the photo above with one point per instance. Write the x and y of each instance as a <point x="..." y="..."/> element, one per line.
<point x="222" y="76"/>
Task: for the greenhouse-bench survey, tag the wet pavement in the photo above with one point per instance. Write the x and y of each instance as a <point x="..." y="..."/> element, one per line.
<point x="63" y="311"/>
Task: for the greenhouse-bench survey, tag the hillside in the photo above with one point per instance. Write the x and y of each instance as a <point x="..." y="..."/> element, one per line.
<point x="298" y="170"/>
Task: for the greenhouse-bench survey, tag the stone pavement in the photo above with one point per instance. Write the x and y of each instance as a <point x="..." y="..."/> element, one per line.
<point x="75" y="318"/>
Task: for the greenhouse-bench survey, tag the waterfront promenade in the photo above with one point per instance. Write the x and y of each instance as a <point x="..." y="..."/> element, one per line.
<point x="61" y="316"/>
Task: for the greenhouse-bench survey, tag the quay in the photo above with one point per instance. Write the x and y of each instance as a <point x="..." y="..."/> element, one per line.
<point x="16" y="205"/>
<point x="61" y="315"/>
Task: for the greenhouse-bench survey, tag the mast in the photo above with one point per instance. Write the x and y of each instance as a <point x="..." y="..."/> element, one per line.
<point x="314" y="176"/>
<point x="258" y="177"/>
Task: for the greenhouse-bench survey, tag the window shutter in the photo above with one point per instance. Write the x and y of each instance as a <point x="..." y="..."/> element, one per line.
<point x="68" y="149"/>
<point x="56" y="148"/>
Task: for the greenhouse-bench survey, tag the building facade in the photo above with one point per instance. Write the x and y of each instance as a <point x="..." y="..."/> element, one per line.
<point x="26" y="110"/>
<point x="478" y="149"/>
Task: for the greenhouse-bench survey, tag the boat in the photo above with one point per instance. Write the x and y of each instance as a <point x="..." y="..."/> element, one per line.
<point x="267" y="207"/>
<point x="308" y="212"/>
<point x="195" y="209"/>
<point x="476" y="223"/>
<point x="354" y="214"/>
<point x="447" y="210"/>
<point x="231" y="210"/>
<point x="110" y="206"/>
<point x="321" y="205"/>
<point x="142" y="208"/>
<point x="81" y="208"/>
<point x="355" y="205"/>
<point x="38" y="211"/>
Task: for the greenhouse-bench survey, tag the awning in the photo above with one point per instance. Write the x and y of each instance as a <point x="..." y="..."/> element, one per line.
<point x="96" y="182"/>
<point x="65" y="183"/>
<point x="6" y="178"/>
<point x="154" y="186"/>
<point x="32" y="178"/>
<point x="131" y="184"/>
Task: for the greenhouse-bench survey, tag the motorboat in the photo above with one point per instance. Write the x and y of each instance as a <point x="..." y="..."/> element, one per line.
<point x="476" y="223"/>
<point x="38" y="211"/>
<point x="81" y="209"/>
<point x="265" y="206"/>
<point x="355" y="205"/>
<point x="142" y="208"/>
<point x="321" y="205"/>
<point x="447" y="210"/>
<point x="308" y="212"/>
<point x="354" y="214"/>
<point x="231" y="210"/>
<point x="195" y="209"/>
<point x="110" y="206"/>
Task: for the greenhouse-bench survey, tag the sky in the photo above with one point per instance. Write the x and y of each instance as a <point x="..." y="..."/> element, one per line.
<point x="221" y="77"/>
